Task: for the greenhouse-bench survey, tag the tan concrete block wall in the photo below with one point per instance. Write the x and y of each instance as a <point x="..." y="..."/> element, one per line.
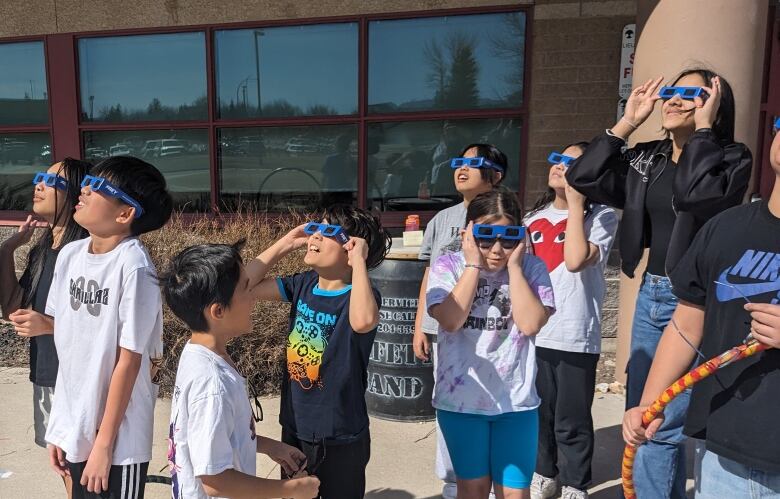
<point x="574" y="94"/>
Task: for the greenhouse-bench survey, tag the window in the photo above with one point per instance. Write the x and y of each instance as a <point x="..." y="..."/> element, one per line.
<point x="181" y="155"/>
<point x="283" y="168"/>
<point x="23" y="92"/>
<point x="143" y="78"/>
<point x="291" y="71"/>
<point x="25" y="139"/>
<point x="453" y="62"/>
<point x="277" y="115"/>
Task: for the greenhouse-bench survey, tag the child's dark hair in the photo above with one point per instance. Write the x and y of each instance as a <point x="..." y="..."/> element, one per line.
<point x="142" y="182"/>
<point x="74" y="170"/>
<point x="360" y="223"/>
<point x="548" y="196"/>
<point x="723" y="127"/>
<point x="200" y="276"/>
<point x="491" y="153"/>
<point x="494" y="204"/>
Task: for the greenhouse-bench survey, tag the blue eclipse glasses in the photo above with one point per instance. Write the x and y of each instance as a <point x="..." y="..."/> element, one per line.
<point x="508" y="236"/>
<point x="478" y="162"/>
<point x="687" y="93"/>
<point x="556" y="158"/>
<point x="51" y="180"/>
<point x="777" y="123"/>
<point x="331" y="231"/>
<point x="103" y="186"/>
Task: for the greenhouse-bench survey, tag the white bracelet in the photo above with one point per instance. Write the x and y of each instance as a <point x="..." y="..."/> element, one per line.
<point x="472" y="266"/>
<point x="629" y="123"/>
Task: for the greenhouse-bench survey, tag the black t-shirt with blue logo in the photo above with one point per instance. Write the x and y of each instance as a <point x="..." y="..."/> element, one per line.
<point x="323" y="393"/>
<point x="736" y="409"/>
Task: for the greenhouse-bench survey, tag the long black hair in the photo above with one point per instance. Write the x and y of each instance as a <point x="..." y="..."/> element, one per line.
<point x="723" y="128"/>
<point x="548" y="196"/>
<point x="74" y="170"/>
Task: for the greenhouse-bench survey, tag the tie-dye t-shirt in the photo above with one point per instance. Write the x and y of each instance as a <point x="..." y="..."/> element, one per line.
<point x="487" y="367"/>
<point x="323" y="393"/>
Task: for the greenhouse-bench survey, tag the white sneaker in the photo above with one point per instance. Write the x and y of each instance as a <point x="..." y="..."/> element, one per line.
<point x="572" y="493"/>
<point x="543" y="487"/>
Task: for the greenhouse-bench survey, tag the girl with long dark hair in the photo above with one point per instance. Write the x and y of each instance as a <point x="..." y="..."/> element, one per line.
<point x="23" y="301"/>
<point x="667" y="190"/>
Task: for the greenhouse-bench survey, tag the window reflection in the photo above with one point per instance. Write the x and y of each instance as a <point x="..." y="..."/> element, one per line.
<point x="287" y="168"/>
<point x="24" y="96"/>
<point x="291" y="71"/>
<point x="181" y="156"/>
<point x="21" y="156"/>
<point x="409" y="162"/>
<point x="143" y="78"/>
<point x="453" y="62"/>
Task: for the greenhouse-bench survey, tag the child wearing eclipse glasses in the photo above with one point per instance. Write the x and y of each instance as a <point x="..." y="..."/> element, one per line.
<point x="489" y="299"/>
<point x="107" y="312"/>
<point x="333" y="320"/>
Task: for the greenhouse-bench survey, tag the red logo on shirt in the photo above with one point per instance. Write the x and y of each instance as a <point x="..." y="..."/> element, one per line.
<point x="547" y="241"/>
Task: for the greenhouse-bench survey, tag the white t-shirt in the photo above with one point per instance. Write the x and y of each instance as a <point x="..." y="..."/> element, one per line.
<point x="212" y="428"/>
<point x="576" y="325"/>
<point x="99" y="303"/>
<point x="488" y="366"/>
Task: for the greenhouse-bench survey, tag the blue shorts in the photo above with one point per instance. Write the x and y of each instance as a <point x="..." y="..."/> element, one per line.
<point x="502" y="447"/>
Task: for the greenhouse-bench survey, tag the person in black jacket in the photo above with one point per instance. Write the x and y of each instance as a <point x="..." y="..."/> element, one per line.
<point x="667" y="190"/>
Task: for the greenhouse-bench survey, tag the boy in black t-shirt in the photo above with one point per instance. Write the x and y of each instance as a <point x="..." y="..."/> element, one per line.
<point x="333" y="320"/>
<point x="734" y="259"/>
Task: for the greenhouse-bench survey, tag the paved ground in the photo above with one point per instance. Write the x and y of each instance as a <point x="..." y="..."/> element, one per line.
<point x="401" y="466"/>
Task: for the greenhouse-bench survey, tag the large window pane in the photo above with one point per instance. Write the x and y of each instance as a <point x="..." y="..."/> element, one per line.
<point x="143" y="78"/>
<point x="24" y="98"/>
<point x="21" y="155"/>
<point x="291" y="71"/>
<point x="181" y="156"/>
<point x="454" y="62"/>
<point x="288" y="168"/>
<point x="409" y="162"/>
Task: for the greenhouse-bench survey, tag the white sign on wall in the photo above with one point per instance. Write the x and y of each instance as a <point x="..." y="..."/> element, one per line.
<point x="621" y="109"/>
<point x="628" y="42"/>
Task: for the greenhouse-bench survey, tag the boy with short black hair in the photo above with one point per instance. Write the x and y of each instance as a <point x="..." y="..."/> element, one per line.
<point x="333" y="320"/>
<point x="728" y="283"/>
<point x="212" y="445"/>
<point x="108" y="326"/>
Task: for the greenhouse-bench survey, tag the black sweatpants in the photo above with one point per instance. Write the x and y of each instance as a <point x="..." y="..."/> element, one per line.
<point x="124" y="482"/>
<point x="341" y="468"/>
<point x="565" y="382"/>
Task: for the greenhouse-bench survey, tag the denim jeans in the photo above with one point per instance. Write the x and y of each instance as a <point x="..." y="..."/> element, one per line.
<point x="659" y="469"/>
<point x="718" y="477"/>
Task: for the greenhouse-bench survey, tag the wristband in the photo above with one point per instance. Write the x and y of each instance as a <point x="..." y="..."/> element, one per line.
<point x="629" y="123"/>
<point x="470" y="265"/>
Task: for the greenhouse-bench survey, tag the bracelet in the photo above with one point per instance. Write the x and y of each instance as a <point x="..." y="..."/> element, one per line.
<point x="629" y="123"/>
<point x="472" y="266"/>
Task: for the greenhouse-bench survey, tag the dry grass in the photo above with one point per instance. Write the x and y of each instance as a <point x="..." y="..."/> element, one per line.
<point x="259" y="355"/>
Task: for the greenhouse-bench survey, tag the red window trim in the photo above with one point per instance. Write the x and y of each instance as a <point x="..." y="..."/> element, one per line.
<point x="362" y="119"/>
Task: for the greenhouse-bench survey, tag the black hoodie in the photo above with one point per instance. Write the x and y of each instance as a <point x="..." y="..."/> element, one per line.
<point x="709" y="178"/>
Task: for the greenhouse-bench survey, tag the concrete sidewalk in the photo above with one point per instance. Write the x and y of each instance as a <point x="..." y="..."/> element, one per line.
<point x="402" y="454"/>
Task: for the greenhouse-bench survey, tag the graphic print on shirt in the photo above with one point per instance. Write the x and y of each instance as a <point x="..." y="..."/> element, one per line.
<point x="547" y="240"/>
<point x="486" y="299"/>
<point x="306" y="345"/>
<point x="756" y="273"/>
<point x="172" y="468"/>
<point x="91" y="295"/>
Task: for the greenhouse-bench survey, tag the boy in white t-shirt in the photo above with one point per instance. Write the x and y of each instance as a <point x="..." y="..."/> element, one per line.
<point x="107" y="330"/>
<point x="212" y="443"/>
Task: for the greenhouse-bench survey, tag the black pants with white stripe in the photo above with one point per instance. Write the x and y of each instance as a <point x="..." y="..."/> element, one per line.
<point x="124" y="482"/>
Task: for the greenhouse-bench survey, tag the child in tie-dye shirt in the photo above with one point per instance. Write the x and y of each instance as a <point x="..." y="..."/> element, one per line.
<point x="490" y="299"/>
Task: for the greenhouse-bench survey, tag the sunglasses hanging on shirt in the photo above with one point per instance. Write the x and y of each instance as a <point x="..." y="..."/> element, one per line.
<point x="508" y="236"/>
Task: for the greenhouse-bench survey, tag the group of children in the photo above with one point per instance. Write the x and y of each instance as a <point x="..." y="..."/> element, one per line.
<point x="511" y="301"/>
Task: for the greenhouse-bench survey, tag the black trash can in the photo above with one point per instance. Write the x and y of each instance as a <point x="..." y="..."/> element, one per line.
<point x="400" y="386"/>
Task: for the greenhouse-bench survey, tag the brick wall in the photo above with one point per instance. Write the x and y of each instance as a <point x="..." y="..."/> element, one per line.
<point x="574" y="93"/>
